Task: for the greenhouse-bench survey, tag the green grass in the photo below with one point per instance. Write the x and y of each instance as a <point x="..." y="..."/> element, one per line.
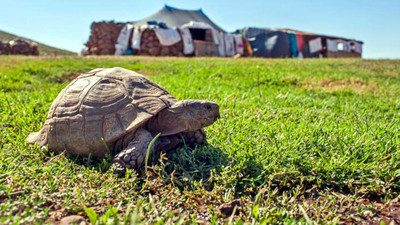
<point x="312" y="141"/>
<point x="44" y="50"/>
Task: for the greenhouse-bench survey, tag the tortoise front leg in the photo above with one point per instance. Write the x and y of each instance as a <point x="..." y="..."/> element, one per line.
<point x="195" y="137"/>
<point x="133" y="156"/>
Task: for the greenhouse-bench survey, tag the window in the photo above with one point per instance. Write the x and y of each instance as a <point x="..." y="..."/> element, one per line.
<point x="340" y="46"/>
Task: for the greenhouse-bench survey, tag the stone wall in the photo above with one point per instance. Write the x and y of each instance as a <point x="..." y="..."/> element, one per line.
<point x="103" y="36"/>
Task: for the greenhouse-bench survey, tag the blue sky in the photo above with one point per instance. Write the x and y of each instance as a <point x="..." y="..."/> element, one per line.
<point x="66" y="24"/>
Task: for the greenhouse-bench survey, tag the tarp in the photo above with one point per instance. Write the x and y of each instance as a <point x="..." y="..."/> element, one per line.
<point x="331" y="45"/>
<point x="167" y="37"/>
<point x="306" y="49"/>
<point x="250" y="32"/>
<point x="174" y="17"/>
<point x="239" y="44"/>
<point x="315" y="45"/>
<point x="229" y="44"/>
<point x="221" y="43"/>
<point x="273" y="44"/>
<point x="123" y="40"/>
<point x="136" y="38"/>
<point x="188" y="47"/>
<point x="358" y="47"/>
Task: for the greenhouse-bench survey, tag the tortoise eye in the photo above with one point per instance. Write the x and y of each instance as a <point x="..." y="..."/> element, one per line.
<point x="208" y="106"/>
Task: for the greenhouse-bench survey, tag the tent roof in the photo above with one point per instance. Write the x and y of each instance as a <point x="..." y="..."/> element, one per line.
<point x="174" y="17"/>
<point x="253" y="31"/>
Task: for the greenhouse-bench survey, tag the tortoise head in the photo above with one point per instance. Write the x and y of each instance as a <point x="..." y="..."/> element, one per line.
<point x="186" y="115"/>
<point x="197" y="113"/>
<point x="183" y="116"/>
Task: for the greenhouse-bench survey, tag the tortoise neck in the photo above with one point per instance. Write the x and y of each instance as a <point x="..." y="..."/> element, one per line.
<point x="168" y="121"/>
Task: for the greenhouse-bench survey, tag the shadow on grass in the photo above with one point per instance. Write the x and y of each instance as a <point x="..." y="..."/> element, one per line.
<point x="182" y="166"/>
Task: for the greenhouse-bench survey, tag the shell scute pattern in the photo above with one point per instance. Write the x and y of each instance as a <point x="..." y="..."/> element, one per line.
<point x="104" y="103"/>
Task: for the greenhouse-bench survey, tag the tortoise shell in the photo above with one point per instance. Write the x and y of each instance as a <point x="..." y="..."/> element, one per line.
<point x="103" y="104"/>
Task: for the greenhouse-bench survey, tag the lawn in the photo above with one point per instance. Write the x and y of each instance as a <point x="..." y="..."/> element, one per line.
<point x="313" y="141"/>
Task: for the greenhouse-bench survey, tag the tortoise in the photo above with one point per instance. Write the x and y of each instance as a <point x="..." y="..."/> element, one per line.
<point x="118" y="111"/>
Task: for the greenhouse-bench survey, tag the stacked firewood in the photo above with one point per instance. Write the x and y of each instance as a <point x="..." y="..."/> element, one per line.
<point x="150" y="45"/>
<point x="19" y="47"/>
<point x="247" y="50"/>
<point x="103" y="37"/>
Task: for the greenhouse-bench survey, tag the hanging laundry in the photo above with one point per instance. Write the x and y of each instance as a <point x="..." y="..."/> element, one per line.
<point x="239" y="44"/>
<point x="123" y="40"/>
<point x="220" y="41"/>
<point x="136" y="37"/>
<point x="347" y="46"/>
<point x="293" y="45"/>
<point x="188" y="47"/>
<point x="167" y="37"/>
<point x="315" y="45"/>
<point x="331" y="45"/>
<point x="358" y="47"/>
<point x="300" y="42"/>
<point x="229" y="45"/>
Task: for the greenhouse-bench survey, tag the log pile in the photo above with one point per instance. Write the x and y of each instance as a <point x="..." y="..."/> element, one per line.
<point x="103" y="36"/>
<point x="150" y="45"/>
<point x="247" y="51"/>
<point x="19" y="47"/>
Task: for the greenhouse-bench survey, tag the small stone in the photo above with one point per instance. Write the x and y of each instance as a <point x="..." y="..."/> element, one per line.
<point x="227" y="208"/>
<point x="74" y="219"/>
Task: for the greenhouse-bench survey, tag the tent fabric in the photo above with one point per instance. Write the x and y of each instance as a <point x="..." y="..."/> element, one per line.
<point x="274" y="44"/>
<point x="250" y="32"/>
<point x="201" y="25"/>
<point x="136" y="37"/>
<point x="221" y="43"/>
<point x="123" y="40"/>
<point x="167" y="37"/>
<point x="229" y="45"/>
<point x="239" y="44"/>
<point x="188" y="47"/>
<point x="174" y="17"/>
<point x="195" y="24"/>
<point x="293" y="44"/>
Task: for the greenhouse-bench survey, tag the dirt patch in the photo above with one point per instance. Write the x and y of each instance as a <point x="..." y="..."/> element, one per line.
<point x="73" y="76"/>
<point x="351" y="210"/>
<point x="356" y="85"/>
